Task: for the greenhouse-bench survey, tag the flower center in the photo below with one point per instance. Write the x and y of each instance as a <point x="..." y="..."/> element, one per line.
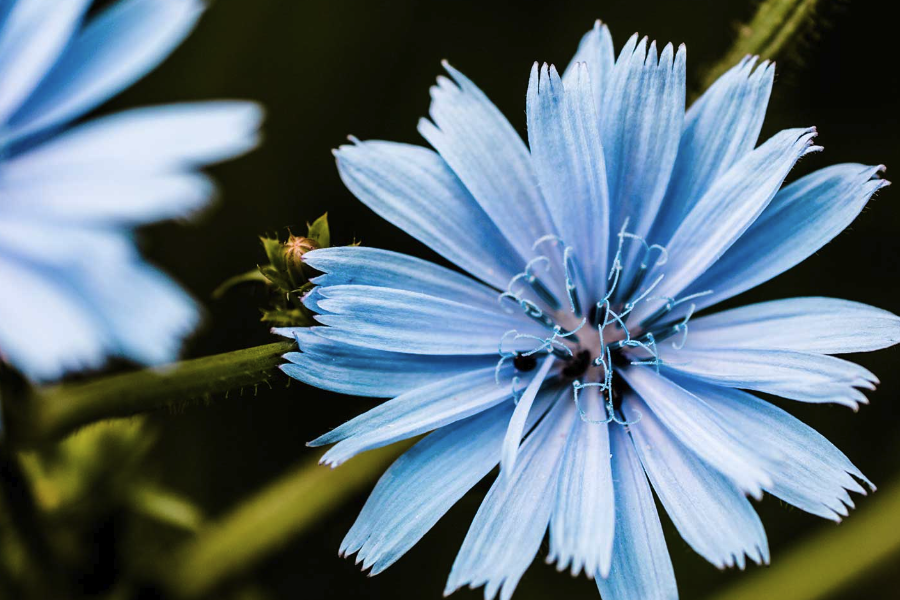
<point x="590" y="340"/>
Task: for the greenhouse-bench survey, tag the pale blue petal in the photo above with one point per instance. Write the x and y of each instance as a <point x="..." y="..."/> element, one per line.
<point x="568" y="160"/>
<point x="427" y="480"/>
<point x="360" y="265"/>
<point x="689" y="420"/>
<point x="114" y="50"/>
<point x="489" y="157"/>
<point x="709" y="511"/>
<point x="802" y="218"/>
<point x="62" y="334"/>
<point x="116" y="199"/>
<point x="144" y="141"/>
<point x="418" y="411"/>
<point x="362" y="371"/>
<point x="147" y="312"/>
<point x="641" y="122"/>
<point x="509" y="526"/>
<point x="818" y="325"/>
<point x="516" y="427"/>
<point x="62" y="246"/>
<point x="596" y="50"/>
<point x="641" y="566"/>
<point x="31" y="39"/>
<point x="799" y="376"/>
<point x="719" y="129"/>
<point x="413" y="188"/>
<point x="726" y="210"/>
<point x="583" y="520"/>
<point x="102" y="300"/>
<point x="401" y="321"/>
<point x="808" y="471"/>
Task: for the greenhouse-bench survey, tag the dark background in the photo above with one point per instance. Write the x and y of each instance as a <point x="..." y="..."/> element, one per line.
<point x="327" y="68"/>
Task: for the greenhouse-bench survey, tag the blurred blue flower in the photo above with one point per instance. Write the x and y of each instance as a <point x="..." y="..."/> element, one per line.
<point x="576" y="363"/>
<point x="73" y="288"/>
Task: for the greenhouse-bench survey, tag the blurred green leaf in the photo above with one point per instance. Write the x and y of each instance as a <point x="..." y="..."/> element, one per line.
<point x="267" y="520"/>
<point x="319" y="232"/>
<point x="831" y="560"/>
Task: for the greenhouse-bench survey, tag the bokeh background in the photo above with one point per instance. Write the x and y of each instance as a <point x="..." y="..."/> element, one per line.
<point x="327" y="68"/>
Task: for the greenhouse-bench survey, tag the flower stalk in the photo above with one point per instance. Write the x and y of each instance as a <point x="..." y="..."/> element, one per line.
<point x="775" y="24"/>
<point x="266" y="521"/>
<point x="53" y="412"/>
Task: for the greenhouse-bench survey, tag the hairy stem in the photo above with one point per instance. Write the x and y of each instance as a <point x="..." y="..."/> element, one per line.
<point x="54" y="412"/>
<point x="768" y="33"/>
<point x="832" y="558"/>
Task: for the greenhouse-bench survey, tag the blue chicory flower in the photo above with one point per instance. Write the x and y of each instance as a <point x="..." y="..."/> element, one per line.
<point x="73" y="288"/>
<point x="576" y="363"/>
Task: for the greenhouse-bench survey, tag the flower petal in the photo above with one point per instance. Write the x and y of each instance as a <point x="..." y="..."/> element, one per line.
<point x="799" y="376"/>
<point x="709" y="511"/>
<point x="516" y="427"/>
<point x="488" y="156"/>
<point x="802" y="218"/>
<point x="32" y="37"/>
<point x="114" y="50"/>
<point x="719" y="129"/>
<point x="641" y="566"/>
<point x="427" y="480"/>
<point x="113" y="200"/>
<point x="596" y="50"/>
<point x="643" y="113"/>
<point x="418" y="411"/>
<point x="360" y="265"/>
<point x="510" y="523"/>
<point x="726" y="210"/>
<point x="144" y="141"/>
<point x="413" y="188"/>
<point x="808" y="471"/>
<point x="409" y="322"/>
<point x="817" y="325"/>
<point x="689" y="420"/>
<point x="362" y="371"/>
<point x="584" y="516"/>
<point x="568" y="160"/>
<point x="62" y="334"/>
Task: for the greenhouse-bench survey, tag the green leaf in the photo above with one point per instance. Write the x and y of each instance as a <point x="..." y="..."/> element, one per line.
<point x="275" y="252"/>
<point x="319" y="232"/>
<point x="275" y="277"/>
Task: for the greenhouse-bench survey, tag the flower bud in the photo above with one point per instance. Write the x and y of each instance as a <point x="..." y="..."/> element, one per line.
<point x="294" y="249"/>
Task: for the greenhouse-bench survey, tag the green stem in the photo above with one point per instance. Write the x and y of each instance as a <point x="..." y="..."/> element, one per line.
<point x="54" y="412"/>
<point x="830" y="560"/>
<point x="767" y="34"/>
<point x="268" y="520"/>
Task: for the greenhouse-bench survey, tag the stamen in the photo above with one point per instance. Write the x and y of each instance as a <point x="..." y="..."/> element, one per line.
<point x="576" y="387"/>
<point x="572" y="275"/>
<point x="644" y="268"/>
<point x="539" y="288"/>
<point x="670" y="304"/>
